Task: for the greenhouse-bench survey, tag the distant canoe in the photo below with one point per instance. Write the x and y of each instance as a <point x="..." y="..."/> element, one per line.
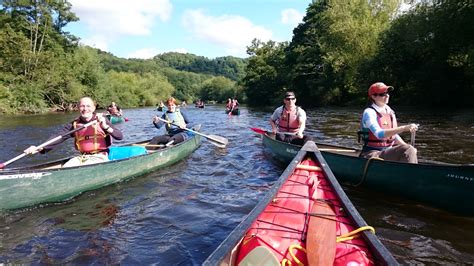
<point x="442" y="185"/>
<point x="28" y="186"/>
<point x="199" y="106"/>
<point x="234" y="112"/>
<point x="304" y="219"/>
<point x="115" y="119"/>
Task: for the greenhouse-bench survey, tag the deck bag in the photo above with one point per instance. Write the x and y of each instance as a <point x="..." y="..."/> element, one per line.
<point x="123" y="152"/>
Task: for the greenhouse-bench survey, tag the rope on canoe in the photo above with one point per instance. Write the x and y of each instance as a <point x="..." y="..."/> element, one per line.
<point x="366" y="168"/>
<point x="290" y="250"/>
<point x="353" y="234"/>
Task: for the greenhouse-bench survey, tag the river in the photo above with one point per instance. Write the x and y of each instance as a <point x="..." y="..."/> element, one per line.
<point x="179" y="215"/>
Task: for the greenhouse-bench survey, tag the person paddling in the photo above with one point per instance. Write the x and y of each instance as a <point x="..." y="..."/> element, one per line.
<point x="379" y="129"/>
<point x="289" y="121"/>
<point x="93" y="141"/>
<point x="175" y="132"/>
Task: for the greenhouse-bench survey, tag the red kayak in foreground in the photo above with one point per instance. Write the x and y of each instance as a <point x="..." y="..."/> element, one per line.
<point x="305" y="219"/>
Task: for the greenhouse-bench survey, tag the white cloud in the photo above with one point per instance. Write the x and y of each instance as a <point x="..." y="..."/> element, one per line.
<point x="230" y="31"/>
<point x="121" y="17"/>
<point x="96" y="41"/>
<point x="291" y="16"/>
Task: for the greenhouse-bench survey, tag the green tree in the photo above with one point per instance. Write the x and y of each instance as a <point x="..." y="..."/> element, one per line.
<point x="265" y="77"/>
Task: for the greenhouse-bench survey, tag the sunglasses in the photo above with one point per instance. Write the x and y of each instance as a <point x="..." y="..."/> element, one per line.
<point x="290" y="99"/>
<point x="381" y="94"/>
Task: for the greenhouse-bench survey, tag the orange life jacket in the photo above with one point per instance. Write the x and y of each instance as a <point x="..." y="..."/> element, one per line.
<point x="386" y="121"/>
<point x="288" y="122"/>
<point x="91" y="139"/>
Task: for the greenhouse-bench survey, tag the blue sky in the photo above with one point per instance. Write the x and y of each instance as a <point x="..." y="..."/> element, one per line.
<point x="210" y="28"/>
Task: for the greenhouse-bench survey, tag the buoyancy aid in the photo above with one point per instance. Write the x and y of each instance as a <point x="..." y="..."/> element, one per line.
<point x="91" y="139"/>
<point x="176" y="118"/>
<point x="385" y="121"/>
<point x="288" y="122"/>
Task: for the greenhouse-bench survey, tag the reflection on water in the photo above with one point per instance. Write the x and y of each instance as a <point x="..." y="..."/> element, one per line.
<point x="178" y="215"/>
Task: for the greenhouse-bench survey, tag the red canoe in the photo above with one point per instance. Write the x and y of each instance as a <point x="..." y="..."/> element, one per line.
<point x="305" y="219"/>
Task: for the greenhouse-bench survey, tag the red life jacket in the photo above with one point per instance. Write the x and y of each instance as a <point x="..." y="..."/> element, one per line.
<point x="288" y="122"/>
<point x="91" y="139"/>
<point x="386" y="121"/>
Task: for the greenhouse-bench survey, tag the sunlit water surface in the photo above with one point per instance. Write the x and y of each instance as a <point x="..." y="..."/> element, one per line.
<point x="179" y="215"/>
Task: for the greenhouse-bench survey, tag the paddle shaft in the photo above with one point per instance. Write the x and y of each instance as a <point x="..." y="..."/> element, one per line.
<point x="195" y="132"/>
<point x="2" y="165"/>
<point x="412" y="138"/>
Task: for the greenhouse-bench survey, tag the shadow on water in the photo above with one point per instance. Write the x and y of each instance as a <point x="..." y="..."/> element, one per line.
<point x="179" y="215"/>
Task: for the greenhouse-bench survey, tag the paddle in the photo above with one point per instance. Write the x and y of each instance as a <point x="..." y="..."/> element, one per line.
<point x="321" y="236"/>
<point x="2" y="165"/>
<point x="218" y="141"/>
<point x="263" y="131"/>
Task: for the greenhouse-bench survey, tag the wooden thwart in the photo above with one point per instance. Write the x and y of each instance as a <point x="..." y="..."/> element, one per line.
<point x="321" y="237"/>
<point x="308" y="167"/>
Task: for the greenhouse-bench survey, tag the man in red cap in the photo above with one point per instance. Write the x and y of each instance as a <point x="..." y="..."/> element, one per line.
<point x="379" y="129"/>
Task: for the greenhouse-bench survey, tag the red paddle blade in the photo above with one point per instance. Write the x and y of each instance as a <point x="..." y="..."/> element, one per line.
<point x="258" y="130"/>
<point x="2" y="165"/>
<point x="126" y="119"/>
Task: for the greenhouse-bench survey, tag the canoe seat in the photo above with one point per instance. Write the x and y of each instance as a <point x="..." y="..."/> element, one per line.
<point x="308" y="167"/>
<point x="123" y="152"/>
<point x="260" y="256"/>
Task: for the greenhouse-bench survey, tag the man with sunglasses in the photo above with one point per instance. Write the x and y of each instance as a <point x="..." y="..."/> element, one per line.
<point x="289" y="121"/>
<point x="379" y="129"/>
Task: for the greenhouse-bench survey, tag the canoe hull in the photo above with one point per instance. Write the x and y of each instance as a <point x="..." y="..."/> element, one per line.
<point x="444" y="186"/>
<point x="27" y="187"/>
<point x="279" y="222"/>
<point x="116" y="119"/>
<point x="233" y="112"/>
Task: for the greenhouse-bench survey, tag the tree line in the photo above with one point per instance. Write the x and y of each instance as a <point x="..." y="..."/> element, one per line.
<point x="339" y="49"/>
<point x="342" y="47"/>
<point x="43" y="68"/>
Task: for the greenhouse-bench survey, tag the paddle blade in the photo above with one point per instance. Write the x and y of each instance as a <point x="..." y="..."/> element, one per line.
<point x="2" y="165"/>
<point x="258" y="130"/>
<point x="218" y="141"/>
<point x="321" y="238"/>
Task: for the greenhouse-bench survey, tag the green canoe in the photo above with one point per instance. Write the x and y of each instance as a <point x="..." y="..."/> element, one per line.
<point x="115" y="119"/>
<point x="446" y="186"/>
<point x="28" y="186"/>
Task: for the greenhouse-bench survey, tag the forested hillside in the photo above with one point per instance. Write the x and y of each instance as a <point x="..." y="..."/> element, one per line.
<point x="339" y="49"/>
<point x="43" y="68"/>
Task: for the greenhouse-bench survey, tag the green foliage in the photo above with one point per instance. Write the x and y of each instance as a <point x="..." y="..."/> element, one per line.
<point x="228" y="66"/>
<point x="265" y="73"/>
<point x="218" y="89"/>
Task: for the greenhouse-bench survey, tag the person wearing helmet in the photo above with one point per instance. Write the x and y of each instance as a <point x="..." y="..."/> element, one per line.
<point x="379" y="129"/>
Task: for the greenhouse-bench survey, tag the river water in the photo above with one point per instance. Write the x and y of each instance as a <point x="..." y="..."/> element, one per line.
<point x="179" y="215"/>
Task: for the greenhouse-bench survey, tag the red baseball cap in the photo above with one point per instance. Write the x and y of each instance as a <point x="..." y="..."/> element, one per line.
<point x="379" y="87"/>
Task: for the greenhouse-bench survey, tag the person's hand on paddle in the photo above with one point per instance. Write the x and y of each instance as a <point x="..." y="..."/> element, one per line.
<point x="411" y="127"/>
<point x="32" y="150"/>
<point x="299" y="134"/>
<point x="103" y="121"/>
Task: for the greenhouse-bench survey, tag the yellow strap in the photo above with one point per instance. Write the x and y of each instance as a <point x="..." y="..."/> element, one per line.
<point x="291" y="248"/>
<point x="353" y="234"/>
